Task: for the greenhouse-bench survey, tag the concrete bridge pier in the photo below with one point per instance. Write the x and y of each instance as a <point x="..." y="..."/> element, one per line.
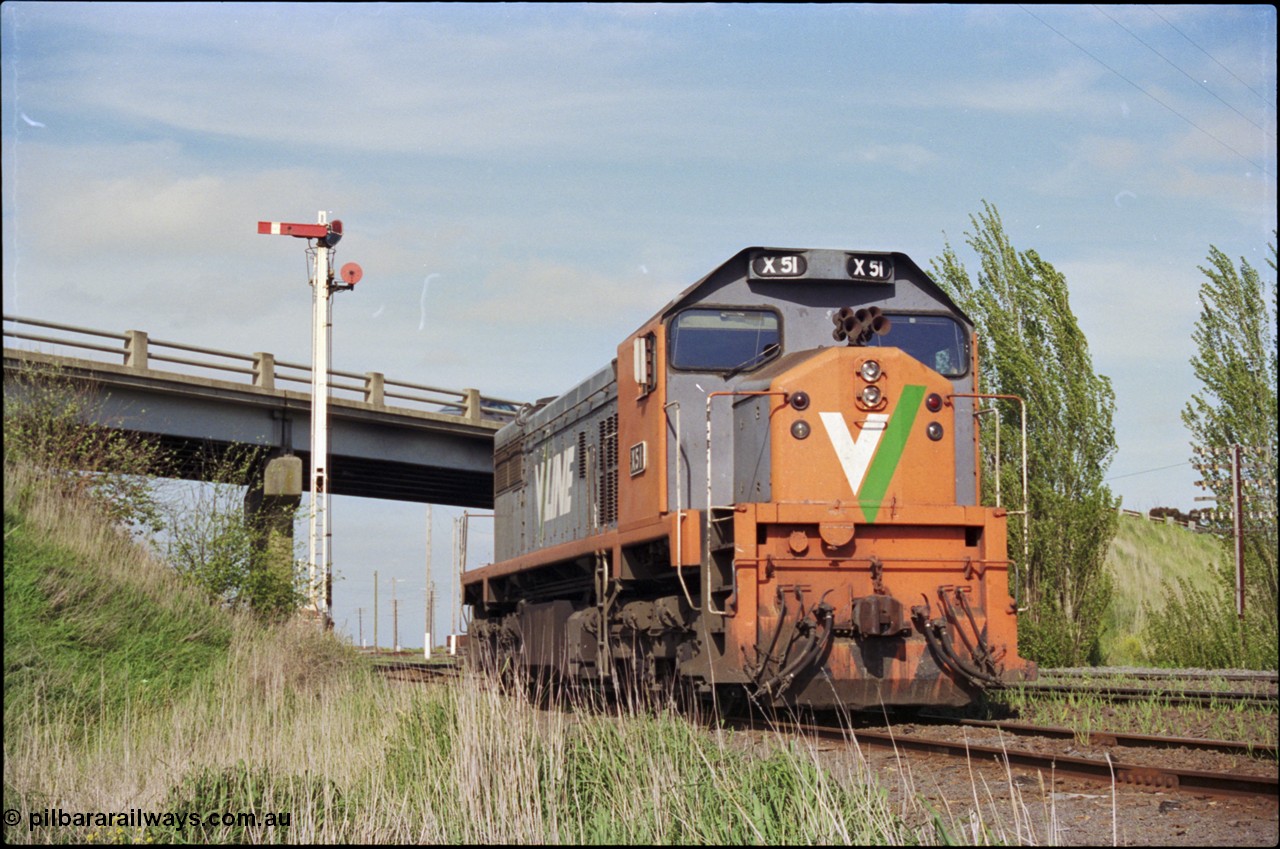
<point x="270" y="504"/>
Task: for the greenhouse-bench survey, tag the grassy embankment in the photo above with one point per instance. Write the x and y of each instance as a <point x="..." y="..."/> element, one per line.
<point x="1145" y="560"/>
<point x="124" y="691"/>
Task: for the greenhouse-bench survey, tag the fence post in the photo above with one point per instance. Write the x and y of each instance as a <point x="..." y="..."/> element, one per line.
<point x="472" y="408"/>
<point x="264" y="370"/>
<point x="135" y="349"/>
<point x="374" y="386"/>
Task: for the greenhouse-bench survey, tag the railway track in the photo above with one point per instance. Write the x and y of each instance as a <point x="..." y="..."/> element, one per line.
<point x="1166" y="686"/>
<point x="1057" y="754"/>
<point x="1104" y="673"/>
<point x="417" y="671"/>
<point x="1170" y="696"/>
<point x="1112" y="738"/>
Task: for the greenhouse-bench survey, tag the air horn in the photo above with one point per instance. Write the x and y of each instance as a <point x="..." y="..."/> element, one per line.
<point x="858" y="326"/>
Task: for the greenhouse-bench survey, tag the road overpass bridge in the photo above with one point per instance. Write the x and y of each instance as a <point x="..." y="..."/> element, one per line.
<point x="388" y="439"/>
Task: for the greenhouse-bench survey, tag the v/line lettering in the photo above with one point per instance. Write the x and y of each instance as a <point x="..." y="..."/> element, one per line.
<point x="553" y="485"/>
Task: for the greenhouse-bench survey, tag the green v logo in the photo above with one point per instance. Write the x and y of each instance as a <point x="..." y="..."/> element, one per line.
<point x="869" y="461"/>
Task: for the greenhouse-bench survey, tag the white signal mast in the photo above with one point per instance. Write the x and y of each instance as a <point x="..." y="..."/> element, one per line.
<point x="323" y="236"/>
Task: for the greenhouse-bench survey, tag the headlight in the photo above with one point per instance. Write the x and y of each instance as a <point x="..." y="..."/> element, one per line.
<point x="870" y="395"/>
<point x="870" y="371"/>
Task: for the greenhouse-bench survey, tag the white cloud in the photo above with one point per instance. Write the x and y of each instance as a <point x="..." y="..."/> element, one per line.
<point x="1004" y="91"/>
<point x="390" y="79"/>
<point x="83" y="201"/>
<point x="908" y="157"/>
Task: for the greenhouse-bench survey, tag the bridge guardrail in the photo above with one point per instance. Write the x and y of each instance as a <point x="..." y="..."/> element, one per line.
<point x="138" y="350"/>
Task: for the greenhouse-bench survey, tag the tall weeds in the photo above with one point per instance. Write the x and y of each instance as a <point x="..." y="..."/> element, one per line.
<point x="126" y="690"/>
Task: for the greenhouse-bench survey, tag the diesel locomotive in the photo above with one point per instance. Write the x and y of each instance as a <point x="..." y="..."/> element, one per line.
<point x="773" y="490"/>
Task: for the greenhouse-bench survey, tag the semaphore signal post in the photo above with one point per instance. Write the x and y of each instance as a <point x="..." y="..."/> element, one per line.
<point x="322" y="237"/>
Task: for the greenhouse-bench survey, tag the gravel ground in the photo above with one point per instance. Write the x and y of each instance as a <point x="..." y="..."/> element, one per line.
<point x="981" y="801"/>
<point x="1018" y="807"/>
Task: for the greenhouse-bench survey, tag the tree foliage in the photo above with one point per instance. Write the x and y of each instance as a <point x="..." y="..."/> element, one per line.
<point x="47" y="415"/>
<point x="1235" y="363"/>
<point x="203" y="530"/>
<point x="233" y="558"/>
<point x="1031" y="346"/>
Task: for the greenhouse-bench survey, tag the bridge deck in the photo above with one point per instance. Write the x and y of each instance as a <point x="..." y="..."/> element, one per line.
<point x="376" y="450"/>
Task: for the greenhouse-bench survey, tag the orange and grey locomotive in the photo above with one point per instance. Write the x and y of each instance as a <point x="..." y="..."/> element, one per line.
<point x="774" y="489"/>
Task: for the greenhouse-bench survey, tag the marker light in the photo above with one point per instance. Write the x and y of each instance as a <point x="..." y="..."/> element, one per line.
<point x="799" y="400"/>
<point x="934" y="402"/>
<point x="800" y="429"/>
<point x="934" y="431"/>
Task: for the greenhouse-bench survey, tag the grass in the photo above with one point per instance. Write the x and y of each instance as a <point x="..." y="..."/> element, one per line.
<point x="1145" y="560"/>
<point x="125" y="691"/>
<point x="1085" y="713"/>
<point x="94" y="647"/>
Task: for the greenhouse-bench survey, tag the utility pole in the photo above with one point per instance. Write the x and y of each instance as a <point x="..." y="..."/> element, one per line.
<point x="1243" y="476"/>
<point x="462" y="567"/>
<point x="455" y="579"/>
<point x="360" y="619"/>
<point x="462" y="529"/>
<point x="1237" y="530"/>
<point x="431" y="616"/>
<point x="323" y="236"/>
<point x="426" y="619"/>
<point x="395" y="611"/>
<point x="375" y="611"/>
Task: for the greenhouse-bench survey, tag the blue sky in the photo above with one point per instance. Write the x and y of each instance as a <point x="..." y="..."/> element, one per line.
<point x="525" y="184"/>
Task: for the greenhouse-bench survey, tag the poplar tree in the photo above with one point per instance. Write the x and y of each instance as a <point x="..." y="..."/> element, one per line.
<point x="1031" y="346"/>
<point x="1235" y="363"/>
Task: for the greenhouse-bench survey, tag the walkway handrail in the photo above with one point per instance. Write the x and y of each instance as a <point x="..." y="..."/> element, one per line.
<point x="139" y="350"/>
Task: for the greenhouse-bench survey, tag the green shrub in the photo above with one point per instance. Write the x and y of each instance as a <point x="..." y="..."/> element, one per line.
<point x="275" y="803"/>
<point x="47" y="425"/>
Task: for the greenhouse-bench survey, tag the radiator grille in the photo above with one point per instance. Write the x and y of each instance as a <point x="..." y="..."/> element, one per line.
<point x="508" y="467"/>
<point x="609" y="470"/>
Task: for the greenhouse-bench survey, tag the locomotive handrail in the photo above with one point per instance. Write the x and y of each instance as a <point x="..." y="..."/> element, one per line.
<point x="680" y="512"/>
<point x="1025" y="512"/>
<point x="706" y="552"/>
<point x="138" y="350"/>
<point x="976" y="415"/>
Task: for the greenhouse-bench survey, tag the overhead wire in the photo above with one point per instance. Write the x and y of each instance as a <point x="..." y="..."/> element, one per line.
<point x="1184" y="73"/>
<point x="1215" y="61"/>
<point x="1081" y="48"/>
<point x="1145" y="471"/>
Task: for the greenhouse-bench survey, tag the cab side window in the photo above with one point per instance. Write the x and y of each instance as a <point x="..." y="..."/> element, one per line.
<point x="723" y="339"/>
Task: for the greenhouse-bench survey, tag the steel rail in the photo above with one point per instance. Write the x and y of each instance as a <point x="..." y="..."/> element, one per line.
<point x="1112" y="738"/>
<point x="1172" y="697"/>
<point x="1164" y="675"/>
<point x="1125" y="774"/>
<point x="419" y="671"/>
